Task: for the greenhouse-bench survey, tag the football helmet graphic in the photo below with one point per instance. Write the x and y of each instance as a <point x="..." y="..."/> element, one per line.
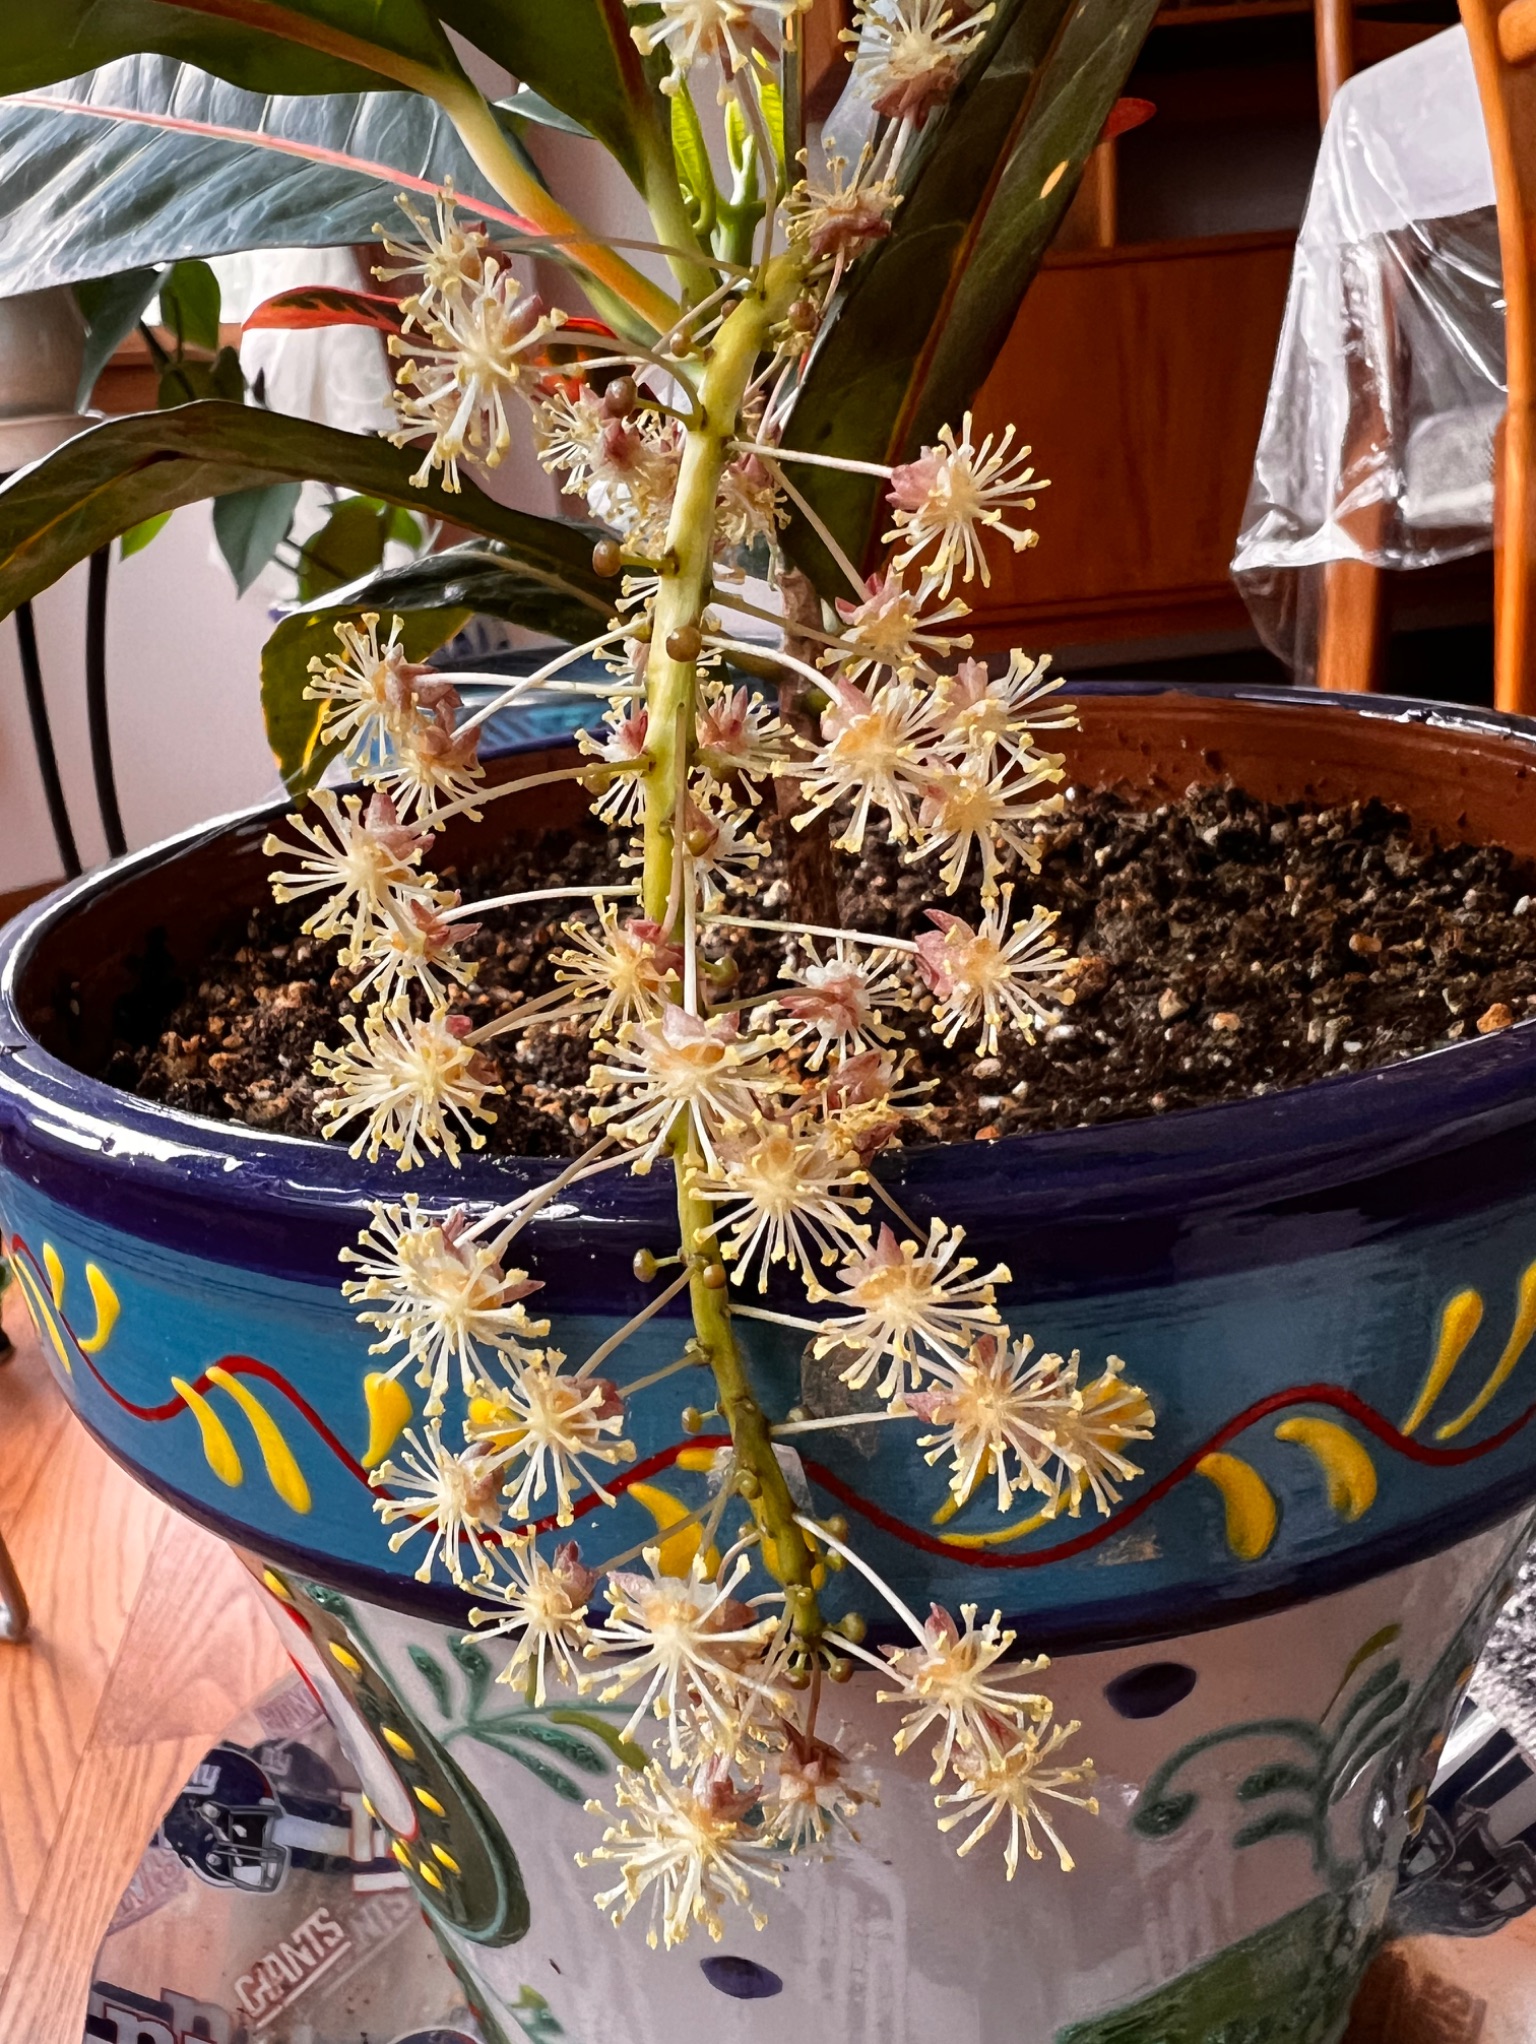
<point x="223" y="1824"/>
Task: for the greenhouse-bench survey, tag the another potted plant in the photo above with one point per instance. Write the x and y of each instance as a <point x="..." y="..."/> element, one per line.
<point x="672" y="1529"/>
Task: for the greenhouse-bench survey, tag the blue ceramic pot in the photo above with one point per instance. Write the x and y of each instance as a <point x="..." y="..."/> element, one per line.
<point x="1327" y="1293"/>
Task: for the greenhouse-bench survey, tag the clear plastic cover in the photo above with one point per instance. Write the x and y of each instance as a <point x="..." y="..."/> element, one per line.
<point x="1388" y="385"/>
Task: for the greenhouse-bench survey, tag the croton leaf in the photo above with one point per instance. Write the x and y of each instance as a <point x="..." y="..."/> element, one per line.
<point x="318" y="305"/>
<point x="927" y="311"/>
<point x="113" y="476"/>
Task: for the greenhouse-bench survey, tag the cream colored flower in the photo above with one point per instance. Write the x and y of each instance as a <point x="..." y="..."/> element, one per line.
<point x="739" y="733"/>
<point x="723" y="30"/>
<point x="451" y="1497"/>
<point x="542" y="1429"/>
<point x="372" y="693"/>
<point x="429" y="765"/>
<point x="945" y="499"/>
<point x="913" y="1309"/>
<point x="618" y="972"/>
<point x="481" y="347"/>
<point x="1017" y="1784"/>
<point x="691" y="1646"/>
<point x="870" y="757"/>
<point x="362" y="863"/>
<point x="995" y="1405"/>
<point x="977" y="714"/>
<point x="625" y="724"/>
<point x="679" y="1065"/>
<point x="838" y="220"/>
<point x="446" y="1298"/>
<point x="416" y="1083"/>
<point x="625" y="468"/>
<point x="542" y="1605"/>
<point x="842" y="999"/>
<point x="691" y="1843"/>
<point x="909" y="54"/>
<point x="786" y="1194"/>
<point x="1091" y="1438"/>
<point x="720" y="841"/>
<point x="889" y="629"/>
<point x="813" y="1794"/>
<point x="957" y="1688"/>
<point x="449" y="260"/>
<point x="985" y="977"/>
<point x="413" y="945"/>
<point x="978" y="811"/>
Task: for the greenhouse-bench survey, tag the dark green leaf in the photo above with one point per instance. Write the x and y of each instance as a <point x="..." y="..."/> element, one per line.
<point x="137" y="537"/>
<point x="61" y="509"/>
<point x="112" y="308"/>
<point x="292" y="719"/>
<point x="621" y="1748"/>
<point x="550" y="1776"/>
<point x="928" y="310"/>
<point x="250" y="526"/>
<point x="324" y="46"/>
<point x="518" y="1725"/>
<point x="190" y="305"/>
<point x="490" y="577"/>
<point x="476" y="1663"/>
<point x="432" y="1674"/>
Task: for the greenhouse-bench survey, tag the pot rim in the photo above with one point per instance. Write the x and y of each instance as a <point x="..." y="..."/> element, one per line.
<point x="1240" y="1154"/>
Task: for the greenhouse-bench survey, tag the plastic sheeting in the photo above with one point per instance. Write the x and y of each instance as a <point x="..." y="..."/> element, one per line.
<point x="1388" y="385"/>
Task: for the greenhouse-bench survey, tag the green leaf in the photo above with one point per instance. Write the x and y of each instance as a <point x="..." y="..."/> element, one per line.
<point x="694" y="169"/>
<point x="288" y="46"/>
<point x="147" y="161"/>
<point x="137" y="537"/>
<point x="432" y="1674"/>
<point x="250" y="526"/>
<point x="476" y="1663"/>
<point x="348" y="545"/>
<point x="621" y="1748"/>
<point x="928" y="310"/>
<point x="61" y="509"/>
<point x="526" y="105"/>
<point x="184" y="383"/>
<point x="292" y="720"/>
<point x="190" y="302"/>
<point x="579" y="56"/>
<point x="111" y="307"/>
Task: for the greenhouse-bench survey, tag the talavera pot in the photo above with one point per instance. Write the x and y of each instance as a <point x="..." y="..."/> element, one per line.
<point x="1327" y="1293"/>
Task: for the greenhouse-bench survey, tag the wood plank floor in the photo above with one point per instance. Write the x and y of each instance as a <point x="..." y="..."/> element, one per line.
<point x="147" y="1639"/>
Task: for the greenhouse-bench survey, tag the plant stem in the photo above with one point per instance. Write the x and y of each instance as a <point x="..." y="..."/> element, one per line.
<point x="482" y="137"/>
<point x="670" y="693"/>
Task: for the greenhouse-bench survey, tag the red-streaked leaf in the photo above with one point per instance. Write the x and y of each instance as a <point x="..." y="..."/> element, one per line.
<point x="1126" y="114"/>
<point x="279" y="145"/>
<point x="324" y="305"/>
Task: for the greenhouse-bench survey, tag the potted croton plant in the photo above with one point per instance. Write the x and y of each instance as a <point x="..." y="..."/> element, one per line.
<point x="673" y="1484"/>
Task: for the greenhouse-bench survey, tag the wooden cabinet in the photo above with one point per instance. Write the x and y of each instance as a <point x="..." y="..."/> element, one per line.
<point x="1139" y="375"/>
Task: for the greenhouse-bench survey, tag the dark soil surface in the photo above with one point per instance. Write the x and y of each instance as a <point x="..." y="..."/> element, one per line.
<point x="1221" y="947"/>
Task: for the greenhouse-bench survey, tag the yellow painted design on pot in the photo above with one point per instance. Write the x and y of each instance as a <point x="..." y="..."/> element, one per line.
<point x="283" y="1472"/>
<point x="1252" y="1514"/>
<point x="54" y="1265"/>
<point x="108" y="1306"/>
<point x="677" y="1548"/>
<point x="42" y="1318"/>
<point x="222" y="1456"/>
<point x="1347" y="1468"/>
<point x="1459" y="1321"/>
<point x="998" y="1536"/>
<point x="389" y="1412"/>
<point x="1519" y="1340"/>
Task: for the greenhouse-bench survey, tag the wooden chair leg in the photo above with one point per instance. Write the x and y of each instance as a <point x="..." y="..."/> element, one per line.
<point x="14" y="1616"/>
<point x="1351" y="649"/>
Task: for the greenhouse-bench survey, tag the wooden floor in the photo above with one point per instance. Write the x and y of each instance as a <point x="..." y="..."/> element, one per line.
<point x="147" y="1639"/>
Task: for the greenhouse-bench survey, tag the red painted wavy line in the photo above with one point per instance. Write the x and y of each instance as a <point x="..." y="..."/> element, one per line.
<point x="1334" y="1395"/>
